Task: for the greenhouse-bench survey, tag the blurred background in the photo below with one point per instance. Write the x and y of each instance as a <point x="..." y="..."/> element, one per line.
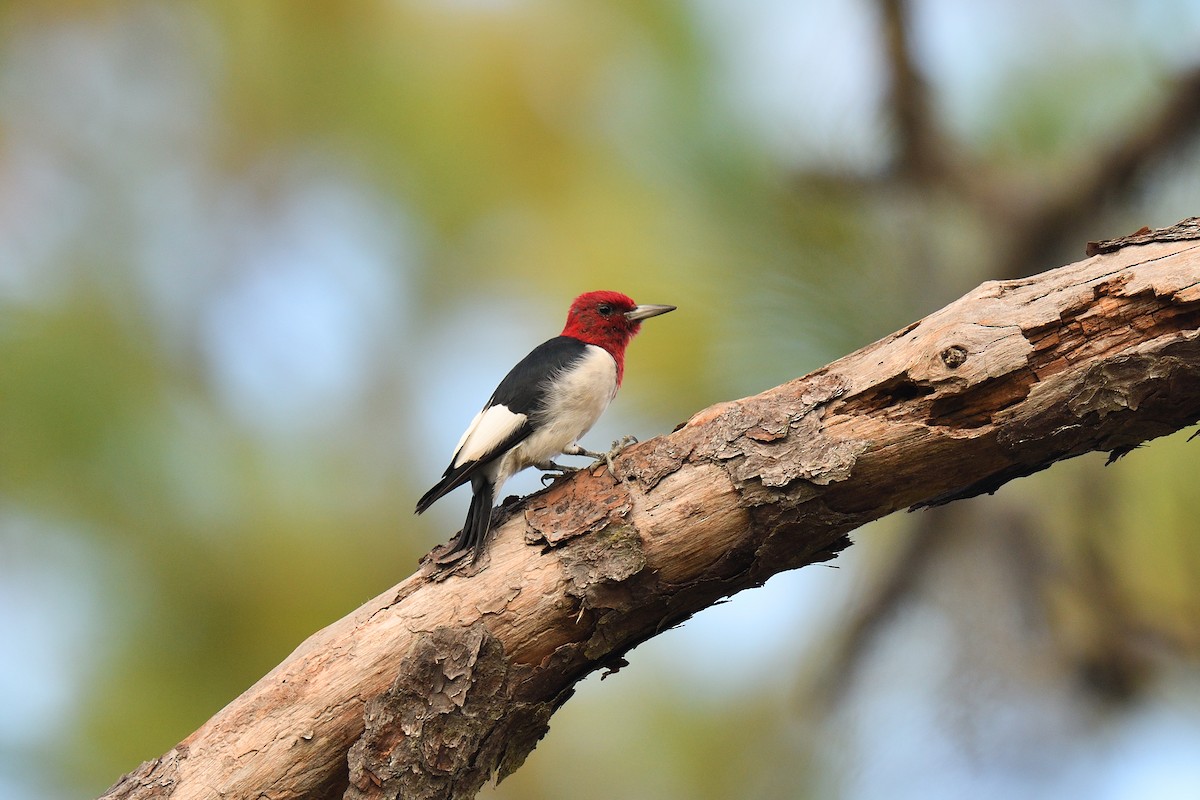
<point x="260" y="263"/>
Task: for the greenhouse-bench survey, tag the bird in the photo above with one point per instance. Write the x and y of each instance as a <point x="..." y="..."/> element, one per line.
<point x="541" y="409"/>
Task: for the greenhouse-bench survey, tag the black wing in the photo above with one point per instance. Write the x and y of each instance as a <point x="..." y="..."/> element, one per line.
<point x="524" y="387"/>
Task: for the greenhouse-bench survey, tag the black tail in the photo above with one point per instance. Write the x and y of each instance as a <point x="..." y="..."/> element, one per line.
<point x="475" y="529"/>
<point x="452" y="479"/>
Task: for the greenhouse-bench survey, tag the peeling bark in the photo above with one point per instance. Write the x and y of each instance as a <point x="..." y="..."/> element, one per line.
<point x="450" y="678"/>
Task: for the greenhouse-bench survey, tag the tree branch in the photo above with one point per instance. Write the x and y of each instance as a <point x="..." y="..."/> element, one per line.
<point x="921" y="147"/>
<point x="447" y="679"/>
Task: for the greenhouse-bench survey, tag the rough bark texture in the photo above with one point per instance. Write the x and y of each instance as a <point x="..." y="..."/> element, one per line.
<point x="450" y="679"/>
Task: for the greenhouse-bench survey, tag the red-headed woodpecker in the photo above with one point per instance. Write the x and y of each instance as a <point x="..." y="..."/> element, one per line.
<point x="543" y="406"/>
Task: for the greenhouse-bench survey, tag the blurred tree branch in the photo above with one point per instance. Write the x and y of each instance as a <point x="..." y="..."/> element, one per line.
<point x="450" y="678"/>
<point x="921" y="146"/>
<point x="1041" y="223"/>
<point x="1033" y="224"/>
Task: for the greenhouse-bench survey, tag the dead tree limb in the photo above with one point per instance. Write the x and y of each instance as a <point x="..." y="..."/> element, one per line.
<point x="446" y="680"/>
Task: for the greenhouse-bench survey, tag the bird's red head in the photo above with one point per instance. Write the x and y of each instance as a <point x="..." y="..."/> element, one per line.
<point x="608" y="320"/>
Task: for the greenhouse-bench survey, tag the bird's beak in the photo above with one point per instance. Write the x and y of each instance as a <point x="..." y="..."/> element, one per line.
<point x="645" y="312"/>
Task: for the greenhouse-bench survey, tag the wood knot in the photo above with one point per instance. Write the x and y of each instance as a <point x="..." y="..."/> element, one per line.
<point x="954" y="356"/>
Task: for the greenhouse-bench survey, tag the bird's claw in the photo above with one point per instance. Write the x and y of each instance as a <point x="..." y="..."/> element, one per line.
<point x="606" y="458"/>
<point x="615" y="450"/>
<point x="548" y="478"/>
<point x="552" y="472"/>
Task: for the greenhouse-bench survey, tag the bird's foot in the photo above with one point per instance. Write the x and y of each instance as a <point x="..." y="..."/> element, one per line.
<point x="607" y="458"/>
<point x="552" y="472"/>
<point x="613" y="452"/>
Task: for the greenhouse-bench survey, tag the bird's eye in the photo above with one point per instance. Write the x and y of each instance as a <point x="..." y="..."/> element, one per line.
<point x="605" y="310"/>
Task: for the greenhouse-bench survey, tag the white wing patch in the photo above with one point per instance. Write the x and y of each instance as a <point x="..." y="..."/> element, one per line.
<point x="489" y="428"/>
